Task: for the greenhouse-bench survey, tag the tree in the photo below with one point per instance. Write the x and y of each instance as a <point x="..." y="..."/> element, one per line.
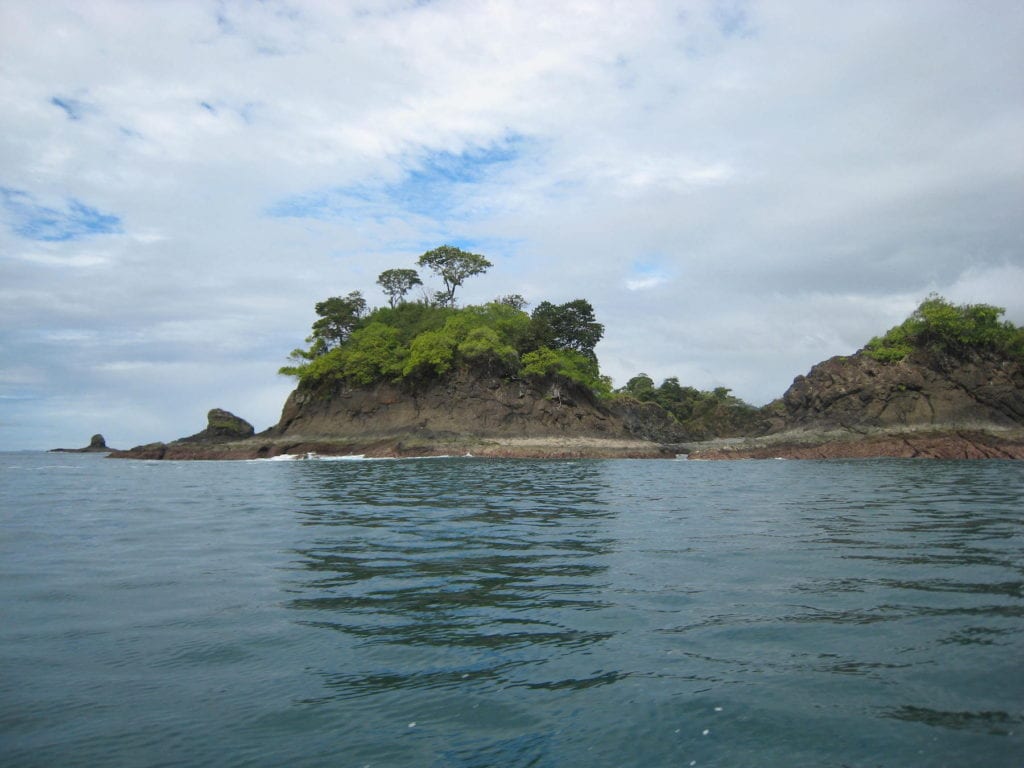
<point x="640" y="386"/>
<point x="431" y="353"/>
<point x="568" y="364"/>
<point x="453" y="266"/>
<point x="484" y="346"/>
<point x="567" y="326"/>
<point x="942" y="327"/>
<point x="514" y="300"/>
<point x="338" y="317"/>
<point x="398" y="282"/>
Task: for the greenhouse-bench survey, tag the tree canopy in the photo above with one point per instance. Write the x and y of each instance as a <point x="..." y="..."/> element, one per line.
<point x="702" y="413"/>
<point x="569" y="326"/>
<point x="415" y="341"/>
<point x="338" y="316"/>
<point x="398" y="282"/>
<point x="938" y="325"/>
<point x="453" y="266"/>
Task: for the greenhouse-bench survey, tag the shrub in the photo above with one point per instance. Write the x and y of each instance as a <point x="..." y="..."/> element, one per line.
<point x="941" y="326"/>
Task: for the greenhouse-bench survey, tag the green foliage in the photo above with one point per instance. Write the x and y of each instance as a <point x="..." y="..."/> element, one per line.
<point x="640" y="387"/>
<point x="512" y="325"/>
<point x="338" y="318"/>
<point x="405" y="341"/>
<point x="372" y="353"/>
<point x="484" y="346"/>
<point x="432" y="352"/>
<point x="398" y="282"/>
<point x="411" y="319"/>
<point x="703" y="413"/>
<point x="513" y="300"/>
<point x="940" y="326"/>
<point x="570" y="326"/>
<point x="453" y="266"/>
<point x="568" y="364"/>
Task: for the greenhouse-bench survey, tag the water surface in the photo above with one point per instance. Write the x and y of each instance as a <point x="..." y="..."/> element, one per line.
<point x="461" y="612"/>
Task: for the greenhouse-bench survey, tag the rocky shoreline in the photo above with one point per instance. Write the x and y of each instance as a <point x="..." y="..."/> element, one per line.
<point x="396" y="448"/>
<point x="843" y="444"/>
<point x="927" y="406"/>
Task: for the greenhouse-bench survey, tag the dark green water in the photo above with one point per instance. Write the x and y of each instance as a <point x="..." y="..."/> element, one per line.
<point x="461" y="612"/>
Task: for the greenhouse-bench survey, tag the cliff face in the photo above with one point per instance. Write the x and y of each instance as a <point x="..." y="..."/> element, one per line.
<point x="461" y="405"/>
<point x="922" y="390"/>
<point x="926" y="406"/>
<point x="467" y="412"/>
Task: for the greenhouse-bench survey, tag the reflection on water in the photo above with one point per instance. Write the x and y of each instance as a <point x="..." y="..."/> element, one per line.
<point x="995" y="723"/>
<point x="455" y="556"/>
<point x="464" y="581"/>
<point x="461" y="612"/>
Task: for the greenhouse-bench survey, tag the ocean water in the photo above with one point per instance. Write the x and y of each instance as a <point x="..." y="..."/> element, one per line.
<point x="463" y="612"/>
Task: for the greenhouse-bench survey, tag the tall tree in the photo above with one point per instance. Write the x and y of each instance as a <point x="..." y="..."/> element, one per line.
<point x="514" y="300"/>
<point x="453" y="266"/>
<point x="398" y="282"/>
<point x="338" y="317"/>
<point x="567" y="326"/>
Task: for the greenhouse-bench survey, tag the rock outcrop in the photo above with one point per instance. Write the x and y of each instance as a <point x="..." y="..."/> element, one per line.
<point x="927" y="405"/>
<point x="97" y="444"/>
<point x="924" y="389"/>
<point x="224" y="437"/>
<point x="222" y="426"/>
<point x="467" y="412"/>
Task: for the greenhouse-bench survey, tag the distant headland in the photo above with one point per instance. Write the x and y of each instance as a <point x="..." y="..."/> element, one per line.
<point x="427" y="377"/>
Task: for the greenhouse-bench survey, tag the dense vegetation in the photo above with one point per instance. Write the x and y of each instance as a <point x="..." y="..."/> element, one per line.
<point x="702" y="413"/>
<point x="429" y="338"/>
<point x="425" y="339"/>
<point x="940" y="326"/>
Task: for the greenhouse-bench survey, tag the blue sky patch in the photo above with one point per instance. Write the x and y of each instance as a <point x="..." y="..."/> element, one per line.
<point x="732" y="19"/>
<point x="39" y="222"/>
<point x="433" y="186"/>
<point x="73" y="108"/>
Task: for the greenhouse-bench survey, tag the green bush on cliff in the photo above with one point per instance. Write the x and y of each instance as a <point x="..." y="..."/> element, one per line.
<point x="417" y="341"/>
<point x="569" y="364"/>
<point x="703" y="413"/>
<point x="940" y="326"/>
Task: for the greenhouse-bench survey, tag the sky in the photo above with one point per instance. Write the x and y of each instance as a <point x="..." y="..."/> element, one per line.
<point x="741" y="189"/>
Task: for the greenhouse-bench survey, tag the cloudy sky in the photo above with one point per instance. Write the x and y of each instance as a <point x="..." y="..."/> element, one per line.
<point x="741" y="189"/>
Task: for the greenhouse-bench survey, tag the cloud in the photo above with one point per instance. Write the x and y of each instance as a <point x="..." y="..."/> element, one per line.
<point x="740" y="188"/>
<point x="645" y="283"/>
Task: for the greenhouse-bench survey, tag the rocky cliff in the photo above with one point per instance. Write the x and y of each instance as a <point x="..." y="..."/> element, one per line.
<point x="924" y="389"/>
<point x="467" y="412"/>
<point x="929" y="405"/>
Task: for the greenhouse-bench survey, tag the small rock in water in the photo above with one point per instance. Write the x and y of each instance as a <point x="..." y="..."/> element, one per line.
<point x="412" y="724"/>
<point x="705" y="732"/>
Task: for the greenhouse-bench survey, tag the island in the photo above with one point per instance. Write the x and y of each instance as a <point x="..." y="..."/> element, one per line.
<point x="97" y="444"/>
<point x="427" y="377"/>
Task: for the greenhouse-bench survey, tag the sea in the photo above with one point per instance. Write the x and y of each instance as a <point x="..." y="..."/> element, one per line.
<point x="472" y="612"/>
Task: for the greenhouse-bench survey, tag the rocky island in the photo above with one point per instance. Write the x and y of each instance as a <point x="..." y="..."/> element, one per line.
<point x="429" y="378"/>
<point x="96" y="445"/>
